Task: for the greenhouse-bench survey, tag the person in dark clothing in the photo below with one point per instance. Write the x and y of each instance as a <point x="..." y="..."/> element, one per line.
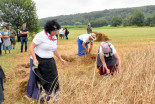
<point x="18" y="35"/>
<point x="43" y="48"/>
<point x="66" y="33"/>
<point x="89" y="29"/>
<point x="24" y="38"/>
<point x="2" y="76"/>
<point x="108" y="60"/>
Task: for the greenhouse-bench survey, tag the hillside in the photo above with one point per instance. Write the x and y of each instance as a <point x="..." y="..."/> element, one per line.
<point x="107" y="14"/>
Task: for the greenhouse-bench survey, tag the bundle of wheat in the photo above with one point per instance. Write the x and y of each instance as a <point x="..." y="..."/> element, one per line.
<point x="101" y="36"/>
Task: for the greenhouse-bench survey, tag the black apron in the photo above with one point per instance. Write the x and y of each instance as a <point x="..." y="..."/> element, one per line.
<point x="47" y="74"/>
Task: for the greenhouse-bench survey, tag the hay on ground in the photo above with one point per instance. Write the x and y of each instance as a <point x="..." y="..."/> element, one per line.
<point x="68" y="58"/>
<point x="88" y="59"/>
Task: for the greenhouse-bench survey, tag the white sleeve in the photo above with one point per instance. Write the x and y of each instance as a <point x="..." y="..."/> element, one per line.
<point x="113" y="49"/>
<point x="101" y="51"/>
<point x="84" y="40"/>
<point x="37" y="40"/>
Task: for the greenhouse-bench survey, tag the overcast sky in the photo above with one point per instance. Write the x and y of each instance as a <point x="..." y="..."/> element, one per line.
<point x="47" y="8"/>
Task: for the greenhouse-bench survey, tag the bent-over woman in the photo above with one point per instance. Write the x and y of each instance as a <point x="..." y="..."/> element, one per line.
<point x="43" y="48"/>
<point x="83" y="41"/>
<point x="108" y="60"/>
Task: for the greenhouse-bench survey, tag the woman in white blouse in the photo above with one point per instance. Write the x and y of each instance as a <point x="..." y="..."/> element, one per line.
<point x="43" y="48"/>
<point x="83" y="41"/>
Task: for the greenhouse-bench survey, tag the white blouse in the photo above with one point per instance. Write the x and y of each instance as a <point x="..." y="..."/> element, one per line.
<point x="45" y="47"/>
<point x="85" y="38"/>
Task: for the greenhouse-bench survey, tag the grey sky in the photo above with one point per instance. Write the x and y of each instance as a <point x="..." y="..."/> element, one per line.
<point x="47" y="8"/>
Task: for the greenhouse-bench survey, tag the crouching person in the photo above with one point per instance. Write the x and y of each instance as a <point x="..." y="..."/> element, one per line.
<point x="108" y="60"/>
<point x="2" y="76"/>
<point x="83" y="41"/>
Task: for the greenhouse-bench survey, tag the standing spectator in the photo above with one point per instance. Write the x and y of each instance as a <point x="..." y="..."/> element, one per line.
<point x="24" y="39"/>
<point x="2" y="76"/>
<point x="18" y="35"/>
<point x="63" y="35"/>
<point x="6" y="40"/>
<point x="89" y="29"/>
<point x="61" y="32"/>
<point x="66" y="33"/>
<point x="0" y="43"/>
<point x="12" y="36"/>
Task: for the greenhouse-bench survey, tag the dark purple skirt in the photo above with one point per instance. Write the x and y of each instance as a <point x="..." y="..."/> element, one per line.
<point x="32" y="88"/>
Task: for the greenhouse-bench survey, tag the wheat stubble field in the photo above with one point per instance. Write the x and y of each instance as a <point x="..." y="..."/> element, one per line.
<point x="80" y="81"/>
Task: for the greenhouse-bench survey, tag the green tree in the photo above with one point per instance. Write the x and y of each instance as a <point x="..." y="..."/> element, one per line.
<point x="77" y="23"/>
<point x="99" y="22"/>
<point x="129" y="19"/>
<point x="148" y="21"/>
<point x="125" y="23"/>
<point x="17" y="12"/>
<point x="116" y="21"/>
<point x="153" y="18"/>
<point x="138" y="18"/>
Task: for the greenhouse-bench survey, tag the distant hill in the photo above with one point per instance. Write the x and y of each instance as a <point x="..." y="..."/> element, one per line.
<point x="107" y="14"/>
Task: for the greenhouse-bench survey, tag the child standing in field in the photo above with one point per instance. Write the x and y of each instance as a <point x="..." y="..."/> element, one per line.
<point x="2" y="76"/>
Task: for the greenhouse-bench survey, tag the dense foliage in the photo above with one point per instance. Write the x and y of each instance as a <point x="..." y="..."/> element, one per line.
<point x="128" y="16"/>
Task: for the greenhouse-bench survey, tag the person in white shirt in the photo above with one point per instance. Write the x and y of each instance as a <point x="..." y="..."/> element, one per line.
<point x="61" y="32"/>
<point x="83" y="41"/>
<point x="43" y="48"/>
<point x="108" y="60"/>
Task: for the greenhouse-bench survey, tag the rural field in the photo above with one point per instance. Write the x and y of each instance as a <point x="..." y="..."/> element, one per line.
<point x="80" y="81"/>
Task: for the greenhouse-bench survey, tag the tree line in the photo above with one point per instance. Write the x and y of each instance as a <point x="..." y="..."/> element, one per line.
<point x="125" y="16"/>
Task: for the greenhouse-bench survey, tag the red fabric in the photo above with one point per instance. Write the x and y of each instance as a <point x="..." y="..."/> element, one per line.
<point x="50" y="37"/>
<point x="111" y="68"/>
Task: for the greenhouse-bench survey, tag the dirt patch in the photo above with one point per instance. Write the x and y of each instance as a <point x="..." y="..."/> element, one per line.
<point x="101" y="36"/>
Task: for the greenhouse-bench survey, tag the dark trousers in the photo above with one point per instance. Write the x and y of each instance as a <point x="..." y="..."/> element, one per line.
<point x="0" y="49"/>
<point x="18" y="38"/>
<point x="24" y="40"/>
<point x="66" y="36"/>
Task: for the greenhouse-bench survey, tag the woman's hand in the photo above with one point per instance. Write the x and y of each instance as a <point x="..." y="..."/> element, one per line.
<point x="63" y="61"/>
<point x="108" y="71"/>
<point x="35" y="62"/>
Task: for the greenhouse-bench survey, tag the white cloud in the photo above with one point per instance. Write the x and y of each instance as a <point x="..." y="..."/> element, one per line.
<point x="46" y="8"/>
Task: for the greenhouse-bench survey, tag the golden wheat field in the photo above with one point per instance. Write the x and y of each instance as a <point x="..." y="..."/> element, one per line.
<point x="80" y="81"/>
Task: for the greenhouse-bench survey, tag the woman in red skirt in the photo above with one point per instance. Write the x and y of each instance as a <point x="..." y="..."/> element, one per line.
<point x="108" y="60"/>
